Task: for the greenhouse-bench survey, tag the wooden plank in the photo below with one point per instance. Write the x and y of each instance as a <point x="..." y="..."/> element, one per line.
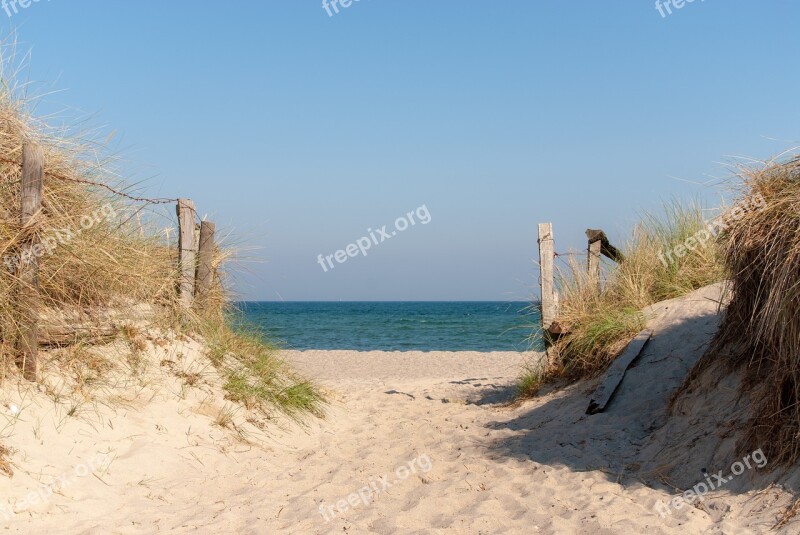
<point x="65" y="326"/>
<point x="606" y="248"/>
<point x="205" y="271"/>
<point x="616" y="373"/>
<point x="28" y="298"/>
<point x="546" y="267"/>
<point x="187" y="252"/>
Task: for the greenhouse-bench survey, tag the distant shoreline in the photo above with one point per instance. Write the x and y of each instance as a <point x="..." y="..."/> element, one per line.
<point x="526" y="303"/>
<point x="482" y="326"/>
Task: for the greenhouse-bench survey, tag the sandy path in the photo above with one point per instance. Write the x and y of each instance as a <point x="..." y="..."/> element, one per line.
<point x="436" y="414"/>
<point x="444" y="406"/>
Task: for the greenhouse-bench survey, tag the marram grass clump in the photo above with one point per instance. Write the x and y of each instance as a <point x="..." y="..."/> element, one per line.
<point x="760" y="329"/>
<point x="600" y="320"/>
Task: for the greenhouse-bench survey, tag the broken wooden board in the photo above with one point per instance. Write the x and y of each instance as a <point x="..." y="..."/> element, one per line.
<point x="616" y="373"/>
<point x="70" y="325"/>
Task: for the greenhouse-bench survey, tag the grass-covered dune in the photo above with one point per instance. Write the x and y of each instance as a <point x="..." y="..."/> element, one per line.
<point x="667" y="256"/>
<point x="760" y="331"/>
<point x="110" y="253"/>
<point x="753" y="244"/>
<point x="753" y="240"/>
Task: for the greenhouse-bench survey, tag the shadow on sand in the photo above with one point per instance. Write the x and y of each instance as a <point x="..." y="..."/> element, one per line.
<point x="637" y="440"/>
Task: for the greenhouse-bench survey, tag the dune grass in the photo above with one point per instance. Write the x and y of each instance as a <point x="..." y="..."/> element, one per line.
<point x="760" y="330"/>
<point x="600" y="321"/>
<point x="256" y="376"/>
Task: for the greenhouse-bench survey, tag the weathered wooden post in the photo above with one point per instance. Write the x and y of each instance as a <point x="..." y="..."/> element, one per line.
<point x="196" y="245"/>
<point x="28" y="299"/>
<point x="205" y="272"/>
<point x="547" y="256"/>
<point x="594" y="251"/>
<point x="546" y="266"/>
<point x="187" y="255"/>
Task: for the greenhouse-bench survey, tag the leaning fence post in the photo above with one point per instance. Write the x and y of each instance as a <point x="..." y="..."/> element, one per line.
<point x="205" y="273"/>
<point x="187" y="255"/>
<point x="606" y="249"/>
<point x="28" y="299"/>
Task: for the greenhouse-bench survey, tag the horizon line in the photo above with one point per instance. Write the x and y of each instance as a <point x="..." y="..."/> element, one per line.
<point x="385" y="301"/>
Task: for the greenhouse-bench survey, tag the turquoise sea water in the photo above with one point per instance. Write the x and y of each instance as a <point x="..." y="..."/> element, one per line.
<point x="396" y="326"/>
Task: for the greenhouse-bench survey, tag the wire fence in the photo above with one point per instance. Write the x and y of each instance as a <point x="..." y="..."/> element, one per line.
<point x="99" y="185"/>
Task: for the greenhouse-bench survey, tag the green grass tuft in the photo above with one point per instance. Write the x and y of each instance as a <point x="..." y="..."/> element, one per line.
<point x="257" y="377"/>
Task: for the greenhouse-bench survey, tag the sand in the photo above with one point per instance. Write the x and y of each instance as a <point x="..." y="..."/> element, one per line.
<point x="413" y="443"/>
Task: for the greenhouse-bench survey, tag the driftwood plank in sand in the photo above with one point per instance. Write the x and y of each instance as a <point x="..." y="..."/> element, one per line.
<point x="66" y="327"/>
<point x="616" y="373"/>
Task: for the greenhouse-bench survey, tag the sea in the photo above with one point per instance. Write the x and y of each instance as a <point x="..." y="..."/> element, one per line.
<point x="395" y="326"/>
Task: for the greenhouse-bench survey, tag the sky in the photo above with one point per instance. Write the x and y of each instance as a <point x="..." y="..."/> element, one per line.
<point x="300" y="132"/>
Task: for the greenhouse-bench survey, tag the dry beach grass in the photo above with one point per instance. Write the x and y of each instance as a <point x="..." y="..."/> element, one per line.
<point x="760" y="333"/>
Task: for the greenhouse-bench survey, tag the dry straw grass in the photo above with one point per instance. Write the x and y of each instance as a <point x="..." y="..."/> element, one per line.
<point x="760" y="330"/>
<point x="100" y="257"/>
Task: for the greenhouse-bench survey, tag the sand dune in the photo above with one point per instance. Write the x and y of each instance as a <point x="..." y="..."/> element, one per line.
<point x="413" y="443"/>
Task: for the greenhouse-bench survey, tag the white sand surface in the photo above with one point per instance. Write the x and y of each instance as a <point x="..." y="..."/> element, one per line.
<point x="426" y="438"/>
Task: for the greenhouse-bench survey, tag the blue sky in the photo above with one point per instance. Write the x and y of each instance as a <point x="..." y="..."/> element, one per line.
<point x="298" y="131"/>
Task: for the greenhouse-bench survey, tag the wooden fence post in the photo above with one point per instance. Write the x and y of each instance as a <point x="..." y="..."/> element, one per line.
<point x="187" y="255"/>
<point x="549" y="296"/>
<point x="28" y="299"/>
<point x="205" y="273"/>
<point x="546" y="264"/>
<point x="594" y="251"/>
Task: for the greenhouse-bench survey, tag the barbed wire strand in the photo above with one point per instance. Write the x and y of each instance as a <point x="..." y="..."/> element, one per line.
<point x="99" y="185"/>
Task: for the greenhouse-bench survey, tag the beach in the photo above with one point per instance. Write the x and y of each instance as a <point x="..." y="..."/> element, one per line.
<point x="399" y="268"/>
<point x="412" y="442"/>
